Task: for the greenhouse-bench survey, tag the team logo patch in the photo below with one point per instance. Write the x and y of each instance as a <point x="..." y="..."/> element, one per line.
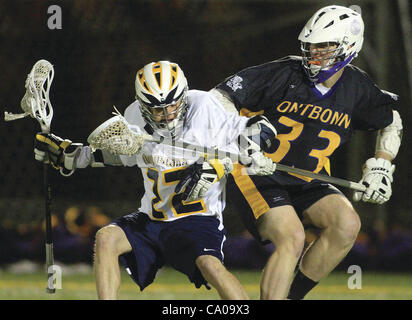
<point x="235" y="83"/>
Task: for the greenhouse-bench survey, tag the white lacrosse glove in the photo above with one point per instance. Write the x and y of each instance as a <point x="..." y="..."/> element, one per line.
<point x="377" y="177"/>
<point x="257" y="137"/>
<point x="257" y="164"/>
<point x="199" y="177"/>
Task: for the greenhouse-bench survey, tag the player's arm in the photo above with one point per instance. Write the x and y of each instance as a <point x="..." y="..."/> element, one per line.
<point x="68" y="156"/>
<point x="224" y="100"/>
<point x="255" y="135"/>
<point x="389" y="139"/>
<point x="378" y="171"/>
<point x="256" y="138"/>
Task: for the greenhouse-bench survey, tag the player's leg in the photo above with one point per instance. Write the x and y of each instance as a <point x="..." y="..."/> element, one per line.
<point x="226" y="284"/>
<point x="193" y="245"/>
<point x="267" y="213"/>
<point x="340" y="224"/>
<point x="283" y="228"/>
<point x="110" y="243"/>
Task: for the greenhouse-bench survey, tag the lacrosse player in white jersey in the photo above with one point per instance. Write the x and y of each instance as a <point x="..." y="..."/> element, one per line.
<point x="180" y="218"/>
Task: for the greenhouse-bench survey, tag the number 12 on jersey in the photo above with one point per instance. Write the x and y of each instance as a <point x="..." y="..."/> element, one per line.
<point x="161" y="181"/>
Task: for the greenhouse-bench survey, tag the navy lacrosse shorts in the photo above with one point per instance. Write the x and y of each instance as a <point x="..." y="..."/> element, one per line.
<point x="177" y="243"/>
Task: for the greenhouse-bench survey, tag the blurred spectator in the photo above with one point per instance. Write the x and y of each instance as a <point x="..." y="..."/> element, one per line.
<point x="74" y="236"/>
<point x="75" y="229"/>
<point x="244" y="252"/>
<point x="9" y="240"/>
<point x="395" y="250"/>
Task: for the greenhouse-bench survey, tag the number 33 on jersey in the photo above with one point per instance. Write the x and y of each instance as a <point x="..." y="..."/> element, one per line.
<point x="311" y="122"/>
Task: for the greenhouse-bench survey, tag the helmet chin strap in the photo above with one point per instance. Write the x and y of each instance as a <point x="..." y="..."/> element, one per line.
<point x="324" y="75"/>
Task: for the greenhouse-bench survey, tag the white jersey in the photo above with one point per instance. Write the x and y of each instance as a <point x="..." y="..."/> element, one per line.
<point x="207" y="124"/>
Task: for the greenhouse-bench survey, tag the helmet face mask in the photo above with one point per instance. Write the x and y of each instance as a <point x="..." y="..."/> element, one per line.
<point x="320" y="56"/>
<point x="331" y="38"/>
<point x="166" y="120"/>
<point x="161" y="89"/>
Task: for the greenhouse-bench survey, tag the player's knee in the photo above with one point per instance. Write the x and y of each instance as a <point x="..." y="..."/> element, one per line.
<point x="210" y="266"/>
<point x="290" y="238"/>
<point x="293" y="242"/>
<point x="348" y="226"/>
<point x="105" y="240"/>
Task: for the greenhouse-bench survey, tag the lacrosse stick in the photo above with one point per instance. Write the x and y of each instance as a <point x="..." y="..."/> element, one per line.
<point x="36" y="104"/>
<point x="117" y="136"/>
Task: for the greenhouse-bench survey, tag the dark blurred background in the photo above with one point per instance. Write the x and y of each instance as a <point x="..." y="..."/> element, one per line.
<point x="96" y="53"/>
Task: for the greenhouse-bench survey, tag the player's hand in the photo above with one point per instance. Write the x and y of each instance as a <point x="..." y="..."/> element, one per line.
<point x="377" y="177"/>
<point x="258" y="164"/>
<point x="257" y="138"/>
<point x="199" y="177"/>
<point x="254" y="160"/>
<point x="49" y="148"/>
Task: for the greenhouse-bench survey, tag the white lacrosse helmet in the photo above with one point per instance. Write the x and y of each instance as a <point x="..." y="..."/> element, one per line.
<point x="160" y="85"/>
<point x="333" y="25"/>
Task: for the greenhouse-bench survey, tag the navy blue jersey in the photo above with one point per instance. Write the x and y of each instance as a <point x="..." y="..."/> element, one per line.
<point x="310" y="126"/>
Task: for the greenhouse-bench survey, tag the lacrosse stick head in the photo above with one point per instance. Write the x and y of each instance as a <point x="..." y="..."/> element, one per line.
<point x="36" y="102"/>
<point x="115" y="136"/>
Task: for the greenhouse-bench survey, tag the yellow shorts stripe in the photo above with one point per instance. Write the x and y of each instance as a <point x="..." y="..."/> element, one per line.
<point x="245" y="184"/>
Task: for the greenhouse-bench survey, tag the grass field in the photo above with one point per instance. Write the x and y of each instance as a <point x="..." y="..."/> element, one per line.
<point x="171" y="285"/>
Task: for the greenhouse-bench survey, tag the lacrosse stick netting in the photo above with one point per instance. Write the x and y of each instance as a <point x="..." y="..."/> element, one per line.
<point x="36" y="102"/>
<point x="116" y="136"/>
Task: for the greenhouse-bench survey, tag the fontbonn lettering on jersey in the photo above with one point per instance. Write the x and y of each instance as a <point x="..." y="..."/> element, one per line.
<point x="325" y="115"/>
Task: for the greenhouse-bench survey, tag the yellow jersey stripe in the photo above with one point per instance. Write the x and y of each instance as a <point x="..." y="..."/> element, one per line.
<point x="245" y="184"/>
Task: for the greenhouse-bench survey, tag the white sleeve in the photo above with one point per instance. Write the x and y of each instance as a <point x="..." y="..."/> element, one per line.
<point x="227" y="125"/>
<point x="84" y="158"/>
<point x="212" y="124"/>
<point x="136" y="122"/>
<point x="224" y="100"/>
<point x="99" y="158"/>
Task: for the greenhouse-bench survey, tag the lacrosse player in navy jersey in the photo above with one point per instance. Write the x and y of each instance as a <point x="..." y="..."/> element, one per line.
<point x="315" y="102"/>
<point x="179" y="221"/>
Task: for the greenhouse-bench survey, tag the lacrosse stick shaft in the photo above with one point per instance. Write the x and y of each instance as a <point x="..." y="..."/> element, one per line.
<point x="100" y="139"/>
<point x="36" y="103"/>
<point x="49" y="233"/>
<point x="279" y="167"/>
<point x="322" y="177"/>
